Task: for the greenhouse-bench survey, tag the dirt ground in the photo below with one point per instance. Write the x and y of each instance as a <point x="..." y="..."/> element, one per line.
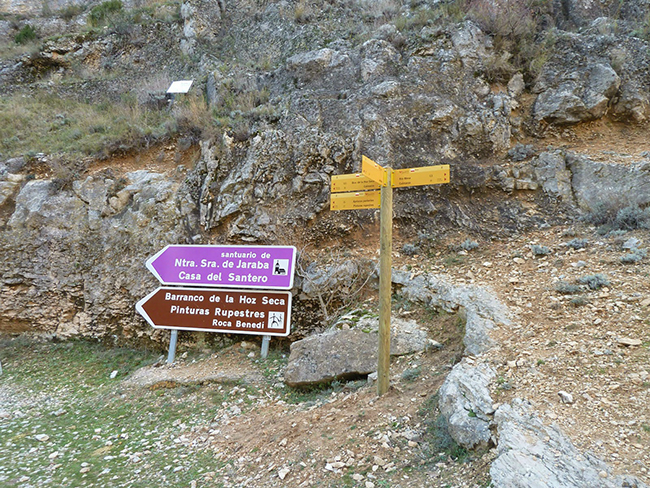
<point x="593" y="344"/>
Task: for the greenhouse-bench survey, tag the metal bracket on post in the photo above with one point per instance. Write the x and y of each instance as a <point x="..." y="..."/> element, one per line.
<point x="265" y="346"/>
<point x="172" y="346"/>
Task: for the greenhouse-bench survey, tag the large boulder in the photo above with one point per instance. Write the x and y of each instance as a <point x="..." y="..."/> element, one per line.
<point x="351" y="353"/>
<point x="616" y="185"/>
<point x="580" y="96"/>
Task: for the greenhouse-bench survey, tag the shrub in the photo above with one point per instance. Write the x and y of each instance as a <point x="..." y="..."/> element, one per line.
<point x="25" y="35"/>
<point x="567" y="288"/>
<point x="70" y="12"/>
<point x="540" y="250"/>
<point x="612" y="216"/>
<point x="100" y="14"/>
<point x="634" y="256"/>
<point x="594" y="282"/>
<point x="469" y="245"/>
<point x="577" y="243"/>
<point x="410" y="249"/>
<point x="632" y="217"/>
<point x="513" y="25"/>
<point x="303" y="13"/>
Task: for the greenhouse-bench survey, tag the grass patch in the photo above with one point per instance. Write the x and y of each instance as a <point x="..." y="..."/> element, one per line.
<point x="314" y="394"/>
<point x="26" y="35"/>
<point x="51" y="124"/>
<point x="99" y="433"/>
<point x="102" y="13"/>
<point x="411" y="374"/>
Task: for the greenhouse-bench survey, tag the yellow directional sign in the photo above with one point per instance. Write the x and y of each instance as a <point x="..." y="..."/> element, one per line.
<point x="373" y="171"/>
<point x="426" y="175"/>
<point x="353" y="182"/>
<point x="355" y="200"/>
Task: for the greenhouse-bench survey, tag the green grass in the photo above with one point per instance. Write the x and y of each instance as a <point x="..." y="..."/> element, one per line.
<point x="124" y="437"/>
<point x="26" y="35"/>
<point x="47" y="123"/>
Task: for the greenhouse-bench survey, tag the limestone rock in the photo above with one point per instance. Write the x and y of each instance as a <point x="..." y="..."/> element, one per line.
<point x="466" y="404"/>
<point x="341" y="354"/>
<point x="596" y="182"/>
<point x="530" y="453"/>
<point x="551" y="171"/>
<point x="325" y="357"/>
<point x="580" y="96"/>
<point x="479" y="309"/>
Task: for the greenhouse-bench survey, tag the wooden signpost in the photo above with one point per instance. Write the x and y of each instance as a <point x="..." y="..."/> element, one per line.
<point x="382" y="181"/>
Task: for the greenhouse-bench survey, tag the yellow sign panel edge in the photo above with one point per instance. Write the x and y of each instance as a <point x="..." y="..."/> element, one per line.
<point x="352" y="182"/>
<point x="374" y="171"/>
<point x="442" y="171"/>
<point x="355" y="200"/>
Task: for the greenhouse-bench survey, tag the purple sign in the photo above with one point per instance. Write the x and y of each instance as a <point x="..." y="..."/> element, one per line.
<point x="225" y="266"/>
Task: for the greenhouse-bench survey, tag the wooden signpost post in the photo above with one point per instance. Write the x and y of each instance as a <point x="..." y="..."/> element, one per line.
<point x="373" y="188"/>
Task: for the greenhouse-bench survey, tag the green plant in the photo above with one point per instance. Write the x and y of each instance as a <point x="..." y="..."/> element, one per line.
<point x="643" y="31"/>
<point x="633" y="257"/>
<point x="540" y="250"/>
<point x="594" y="282"/>
<point x="577" y="243"/>
<point x="410" y="249"/>
<point x="615" y="215"/>
<point x="412" y="374"/>
<point x="469" y="245"/>
<point x="25" y="35"/>
<point x="565" y="288"/>
<point x="453" y="260"/>
<point x="579" y="301"/>
<point x="101" y="14"/>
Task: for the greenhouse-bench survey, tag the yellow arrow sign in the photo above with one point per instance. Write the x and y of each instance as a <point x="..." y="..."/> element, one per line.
<point x="426" y="175"/>
<point x="355" y="201"/>
<point x="373" y="171"/>
<point x="353" y="182"/>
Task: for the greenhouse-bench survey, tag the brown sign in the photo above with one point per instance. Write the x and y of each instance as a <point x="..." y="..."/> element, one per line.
<point x="228" y="311"/>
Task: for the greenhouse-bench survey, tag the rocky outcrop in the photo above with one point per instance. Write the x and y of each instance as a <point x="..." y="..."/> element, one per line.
<point x="480" y="310"/>
<point x="74" y="259"/>
<point x="530" y="453"/>
<point x="466" y="404"/>
<point x="616" y="185"/>
<point x="348" y="353"/>
<point x="580" y="96"/>
<point x="591" y="75"/>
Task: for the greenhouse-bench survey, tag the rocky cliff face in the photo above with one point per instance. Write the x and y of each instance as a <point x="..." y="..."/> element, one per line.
<point x="299" y="97"/>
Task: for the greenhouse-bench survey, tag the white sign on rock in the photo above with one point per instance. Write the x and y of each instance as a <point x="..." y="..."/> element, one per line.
<point x="181" y="86"/>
